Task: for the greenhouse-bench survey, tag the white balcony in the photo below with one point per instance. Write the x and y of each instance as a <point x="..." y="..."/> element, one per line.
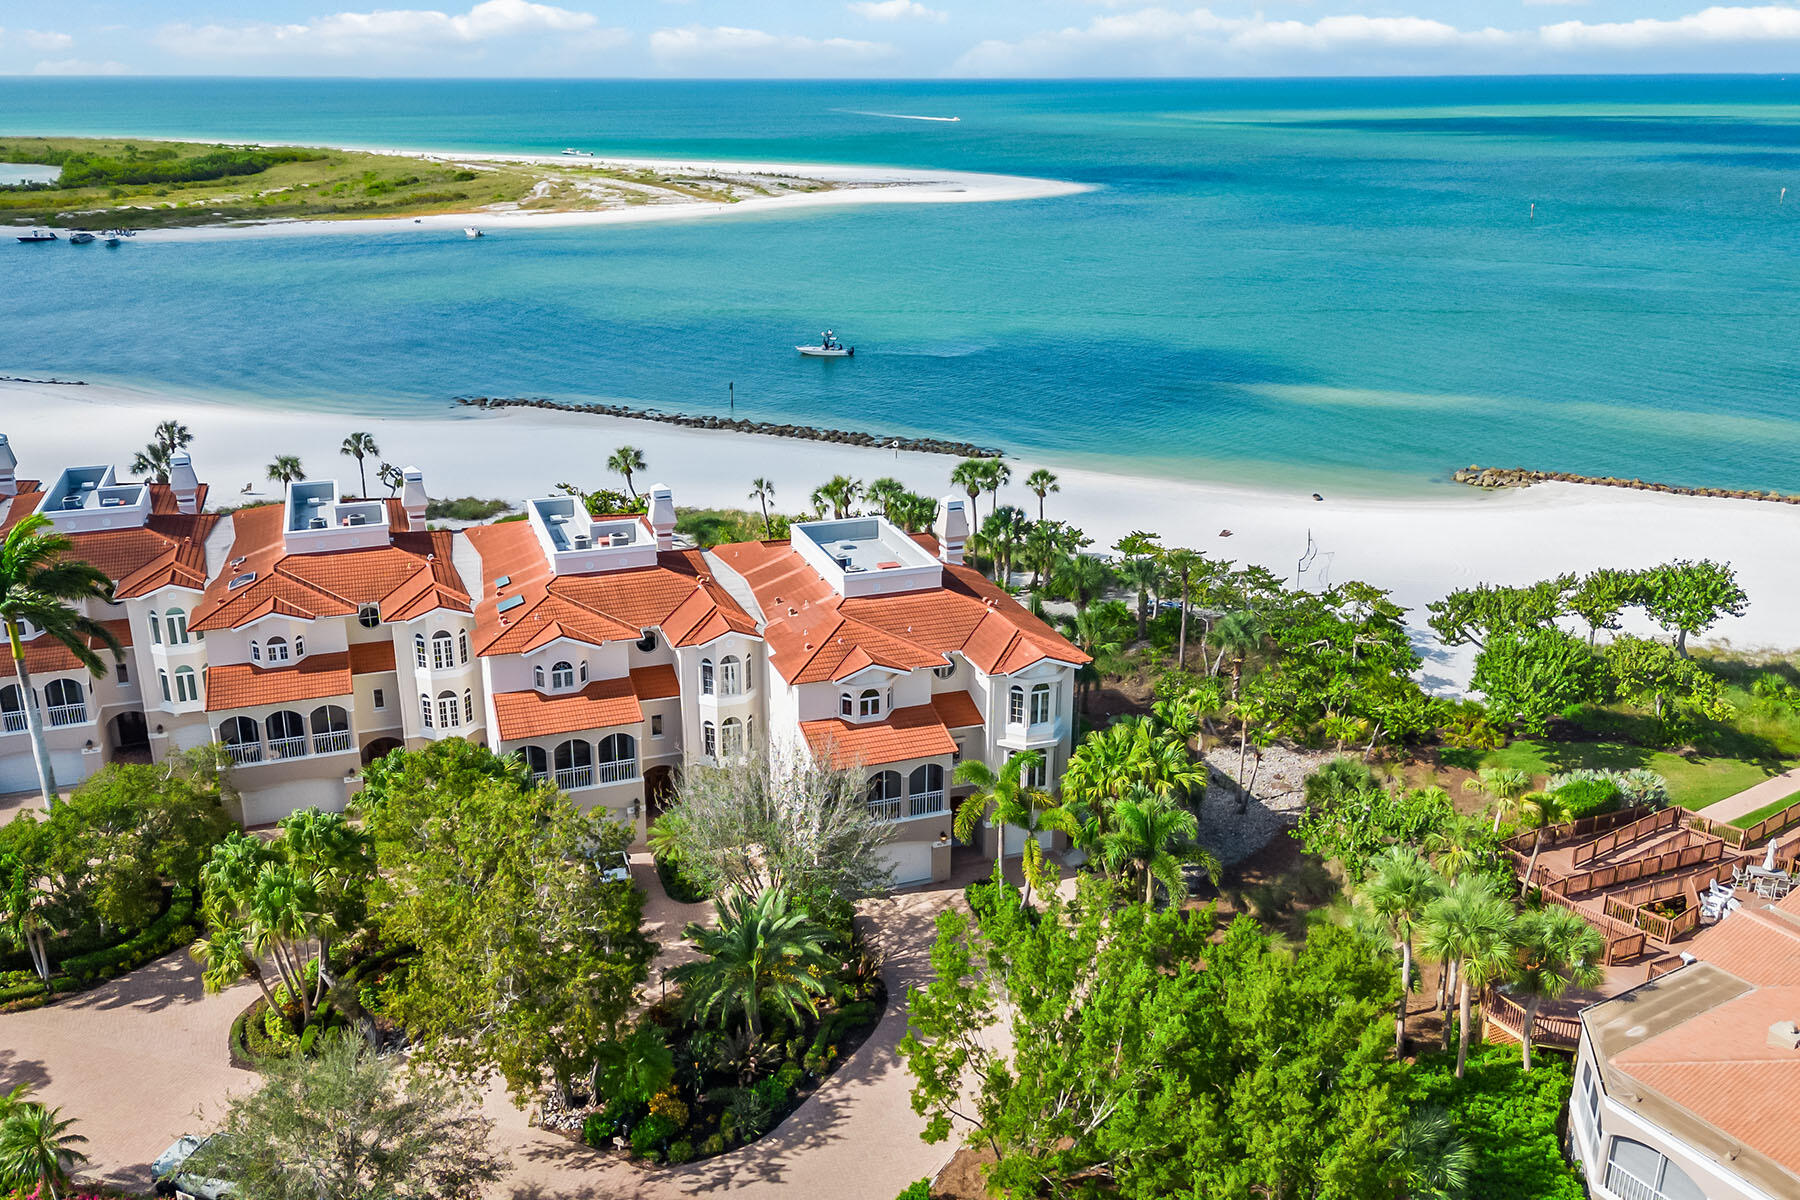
<point x="925" y="804"/>
<point x="572" y="779"/>
<point x="68" y="714"/>
<point x="246" y="752"/>
<point x="12" y="722"/>
<point x="288" y="747"/>
<point x="1626" y="1186"/>
<point x="618" y="772"/>
<point x="886" y="810"/>
<point x="331" y="743"/>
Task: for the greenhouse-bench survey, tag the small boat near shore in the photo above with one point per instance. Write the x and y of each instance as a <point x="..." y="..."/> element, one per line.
<point x="828" y="347"/>
<point x="469" y="231"/>
<point x="38" y="235"/>
<point x="80" y="238"/>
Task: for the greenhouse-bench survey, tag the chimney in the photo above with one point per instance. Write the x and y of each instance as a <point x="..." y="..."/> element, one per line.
<point x="951" y="528"/>
<point x="413" y="498"/>
<point x="9" y="486"/>
<point x="183" y="482"/>
<point x="662" y="515"/>
<point x="1785" y="1035"/>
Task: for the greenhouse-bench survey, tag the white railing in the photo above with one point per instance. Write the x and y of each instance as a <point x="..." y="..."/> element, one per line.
<point x="245" y="752"/>
<point x="886" y="810"/>
<point x="288" y="747"/>
<point x="1626" y="1186"/>
<point x="68" y="714"/>
<point x="571" y="779"/>
<point x="333" y="742"/>
<point x="618" y="772"/>
<point x="925" y="804"/>
<point x="12" y="722"/>
<point x="540" y="777"/>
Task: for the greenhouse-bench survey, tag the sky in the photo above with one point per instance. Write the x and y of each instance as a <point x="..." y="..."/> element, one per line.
<point x="882" y="39"/>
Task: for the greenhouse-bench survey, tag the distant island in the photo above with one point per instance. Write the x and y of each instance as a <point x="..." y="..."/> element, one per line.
<point x="136" y="183"/>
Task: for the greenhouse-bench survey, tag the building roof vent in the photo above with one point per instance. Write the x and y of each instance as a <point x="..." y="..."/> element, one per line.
<point x="1785" y="1034"/>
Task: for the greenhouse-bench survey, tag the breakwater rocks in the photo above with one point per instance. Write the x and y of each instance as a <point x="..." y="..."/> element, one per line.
<point x="1505" y="477"/>
<point x="57" y="382"/>
<point x="809" y="433"/>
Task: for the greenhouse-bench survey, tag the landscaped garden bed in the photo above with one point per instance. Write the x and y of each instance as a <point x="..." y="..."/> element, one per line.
<point x="173" y="927"/>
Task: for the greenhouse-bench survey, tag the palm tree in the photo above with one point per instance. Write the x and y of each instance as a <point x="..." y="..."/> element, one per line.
<point x="1005" y="792"/>
<point x="224" y="956"/>
<point x="1436" y="1163"/>
<point x="153" y="461"/>
<point x="1142" y="575"/>
<point x="1539" y="811"/>
<point x="971" y="476"/>
<point x="1472" y="927"/>
<point x="286" y="468"/>
<point x="761" y="952"/>
<point x="838" y="494"/>
<point x="1041" y="483"/>
<point x="1153" y="834"/>
<point x="40" y="585"/>
<point x="1002" y="533"/>
<point x="995" y="474"/>
<point x="626" y="461"/>
<point x="37" y="1147"/>
<point x="390" y="477"/>
<point x="1557" y="949"/>
<point x="1237" y="635"/>
<point x="360" y="446"/>
<point x="1504" y="784"/>
<point x="762" y="490"/>
<point x="886" y="493"/>
<point x="1400" y="889"/>
<point x="1081" y="578"/>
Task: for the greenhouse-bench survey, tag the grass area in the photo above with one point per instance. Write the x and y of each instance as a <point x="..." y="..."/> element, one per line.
<point x="1767" y="810"/>
<point x="1693" y="782"/>
<point x="140" y="184"/>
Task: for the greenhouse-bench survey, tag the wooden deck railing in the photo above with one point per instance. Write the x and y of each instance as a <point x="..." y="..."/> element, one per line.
<point x="1625" y="835"/>
<point x="1570" y="831"/>
<point x="1773" y="824"/>
<point x="1624" y="941"/>
<point x="1509" y="1014"/>
<point x="1711" y="850"/>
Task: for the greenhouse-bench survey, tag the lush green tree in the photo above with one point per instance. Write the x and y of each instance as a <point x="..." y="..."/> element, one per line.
<point x="42" y="587"/>
<point x="971" y="476"/>
<point x="1353" y="824"/>
<point x="638" y="1065"/>
<point x="285" y="469"/>
<point x="1603" y="595"/>
<point x="524" y="957"/>
<point x="1503" y="785"/>
<point x="1472" y="927"/>
<point x="1539" y="811"/>
<point x="1081" y="579"/>
<point x="763" y="952"/>
<point x="837" y="495"/>
<point x="1400" y="888"/>
<point x="762" y="490"/>
<point x="1677" y="690"/>
<point x="1003" y="797"/>
<point x="1102" y="1046"/>
<point x="1154" y="838"/>
<point x="361" y="446"/>
<point x="1687" y="597"/>
<point x="626" y="461"/>
<point x="1001" y="535"/>
<point x="1474" y="615"/>
<point x="1511" y="1120"/>
<point x="1041" y="483"/>
<point x="390" y="477"/>
<point x="1556" y="949"/>
<point x="1236" y="635"/>
<point x="349" y="1124"/>
<point x="38" y="1147"/>
<point x="153" y="461"/>
<point x="884" y="493"/>
<point x="913" y="512"/>
<point x="1439" y="1163"/>
<point x="1527" y="676"/>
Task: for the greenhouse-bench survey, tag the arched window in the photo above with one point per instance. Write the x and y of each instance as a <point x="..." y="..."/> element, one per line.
<point x="1635" y="1169"/>
<point x="583" y="668"/>
<point x="1040" y="704"/>
<point x="277" y="650"/>
<point x="67" y="702"/>
<point x="574" y="765"/>
<point x="469" y="706"/>
<point x="731" y="676"/>
<point x="425" y="709"/>
<point x="731" y="738"/>
<point x="925" y="791"/>
<point x="537" y="761"/>
<point x="846" y="705"/>
<point x="706" y="677"/>
<point x="449" y="711"/>
<point x="255" y="650"/>
<point x="12" y="707"/>
<point x="869" y="703"/>
<point x="709" y="739"/>
<point x="537" y="677"/>
<point x="1015" y="705"/>
<point x="562" y="675"/>
<point x="884" y="795"/>
<point x="299" y="646"/>
<point x="647" y="643"/>
<point x="419" y="659"/>
<point x="462" y="646"/>
<point x="241" y="739"/>
<point x="443" y="655"/>
<point x="163" y="677"/>
<point x="187" y="684"/>
<point x="178" y="631"/>
<point x="286" y="733"/>
<point x="155" y="628"/>
<point x="617" y="756"/>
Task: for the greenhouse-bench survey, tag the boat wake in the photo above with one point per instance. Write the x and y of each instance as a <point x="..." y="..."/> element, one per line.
<point x="894" y="116"/>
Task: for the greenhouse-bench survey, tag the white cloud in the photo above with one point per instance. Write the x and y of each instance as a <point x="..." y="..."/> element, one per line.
<point x="1552" y="3"/>
<point x="726" y="47"/>
<point x="79" y="66"/>
<point x="1163" y="41"/>
<point x="896" y="10"/>
<point x="46" y="42"/>
<point x="388" y="31"/>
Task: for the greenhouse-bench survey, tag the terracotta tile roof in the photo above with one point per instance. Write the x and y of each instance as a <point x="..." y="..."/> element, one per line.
<point x="371" y="658"/>
<point x="1759" y="943"/>
<point x="45" y="655"/>
<point x="655" y="683"/>
<point x="240" y="685"/>
<point x="602" y="704"/>
<point x="957" y="710"/>
<point x="1720" y="1067"/>
<point x="169" y="549"/>
<point x="677" y="595"/>
<point x="816" y="635"/>
<point x="409" y="577"/>
<point x="907" y="733"/>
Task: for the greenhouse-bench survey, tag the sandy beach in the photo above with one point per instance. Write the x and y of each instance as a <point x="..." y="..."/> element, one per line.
<point x="1417" y="547"/>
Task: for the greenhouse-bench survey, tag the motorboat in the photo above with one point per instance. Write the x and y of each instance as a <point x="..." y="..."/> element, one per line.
<point x="471" y="231"/>
<point x="80" y="238"/>
<point x="38" y="235"/>
<point x="828" y="347"/>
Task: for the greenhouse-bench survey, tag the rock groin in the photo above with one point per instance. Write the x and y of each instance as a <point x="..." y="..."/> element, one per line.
<point x="1506" y="477"/>
<point x="810" y="433"/>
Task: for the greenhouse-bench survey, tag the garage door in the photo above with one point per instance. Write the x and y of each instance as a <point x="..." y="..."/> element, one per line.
<point x="262" y="806"/>
<point x="190" y="737"/>
<point x="1015" y="839"/>
<point x="71" y="766"/>
<point x="911" y="861"/>
<point x="18" y="772"/>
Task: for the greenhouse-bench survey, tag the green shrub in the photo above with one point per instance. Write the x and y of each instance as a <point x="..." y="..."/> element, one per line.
<point x="751" y="1114"/>
<point x="1585" y="797"/>
<point x="772" y="1091"/>
<point x="789" y="1075"/>
<point x="651" y="1132"/>
<point x="597" y="1132"/>
<point x="918" y="1190"/>
<point x="1510" y="1119"/>
<point x="680" y="888"/>
<point x="466" y="508"/>
<point x="681" y="1151"/>
<point x="713" y="1145"/>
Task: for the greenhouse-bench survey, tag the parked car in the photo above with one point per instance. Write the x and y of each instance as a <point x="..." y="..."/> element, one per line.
<point x="171" y="1180"/>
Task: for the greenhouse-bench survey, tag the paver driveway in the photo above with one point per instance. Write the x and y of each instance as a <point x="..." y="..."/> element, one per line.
<point x="138" y="1062"/>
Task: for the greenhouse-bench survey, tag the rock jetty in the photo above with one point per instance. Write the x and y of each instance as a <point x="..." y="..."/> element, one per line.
<point x="1506" y="477"/>
<point x="57" y="382"/>
<point x="810" y="433"/>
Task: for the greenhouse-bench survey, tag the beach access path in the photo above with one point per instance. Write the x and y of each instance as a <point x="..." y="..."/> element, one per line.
<point x="1779" y="787"/>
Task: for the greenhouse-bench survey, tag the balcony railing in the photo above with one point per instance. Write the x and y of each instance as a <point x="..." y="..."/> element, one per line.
<point x="571" y="779"/>
<point x="886" y="810"/>
<point x="288" y="747"/>
<point x="925" y="804"/>
<point x="1626" y="1186"/>
<point x="333" y="742"/>
<point x="68" y="714"/>
<point x="245" y="752"/>
<point x="618" y="772"/>
<point x="12" y="722"/>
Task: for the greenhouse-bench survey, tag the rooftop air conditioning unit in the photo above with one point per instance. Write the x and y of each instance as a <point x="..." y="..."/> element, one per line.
<point x="316" y="523"/>
<point x="621" y="539"/>
<point x="583" y="541"/>
<point x="358" y="519"/>
<point x="72" y="501"/>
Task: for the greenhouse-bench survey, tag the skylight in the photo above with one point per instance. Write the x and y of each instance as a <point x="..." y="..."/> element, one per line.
<point x="510" y="603"/>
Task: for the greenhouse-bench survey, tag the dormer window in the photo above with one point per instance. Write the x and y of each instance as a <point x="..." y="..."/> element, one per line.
<point x="255" y="651"/>
<point x="731" y="676"/>
<point x="1040" y="704"/>
<point x="299" y="647"/>
<point x="1015" y="705"/>
<point x="945" y="671"/>
<point x="462" y="646"/>
<point x="278" y="650"/>
<point x="582" y="670"/>
<point x="442" y="657"/>
<point x="562" y="675"/>
<point x="869" y="703"/>
<point x="537" y="677"/>
<point x="846" y="705"/>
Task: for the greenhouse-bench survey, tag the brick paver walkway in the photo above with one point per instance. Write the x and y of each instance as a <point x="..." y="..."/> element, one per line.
<point x="1752" y="798"/>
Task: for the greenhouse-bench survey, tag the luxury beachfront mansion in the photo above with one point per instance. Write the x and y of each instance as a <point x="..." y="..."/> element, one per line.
<point x="310" y="636"/>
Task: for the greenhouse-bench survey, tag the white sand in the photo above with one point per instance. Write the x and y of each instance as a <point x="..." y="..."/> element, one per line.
<point x="1417" y="548"/>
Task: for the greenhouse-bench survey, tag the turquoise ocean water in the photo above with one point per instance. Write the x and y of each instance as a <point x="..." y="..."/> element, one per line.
<point x="1295" y="282"/>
